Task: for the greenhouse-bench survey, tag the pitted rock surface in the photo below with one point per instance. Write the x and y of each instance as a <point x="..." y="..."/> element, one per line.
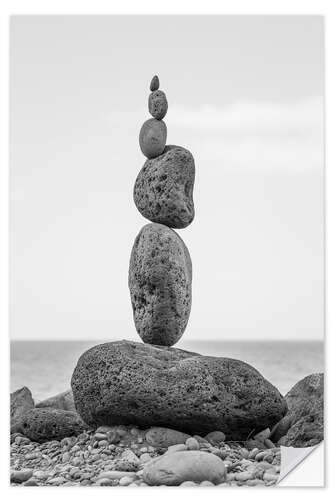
<point x="163" y="190"/>
<point x="152" y="138"/>
<point x="158" y="104"/>
<point x="132" y="383"/>
<point x="303" y="424"/>
<point x="160" y="283"/>
<point x="20" y="402"/>
<point x="46" y="424"/>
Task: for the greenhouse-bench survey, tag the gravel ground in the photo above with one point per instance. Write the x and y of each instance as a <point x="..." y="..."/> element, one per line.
<point x="117" y="456"/>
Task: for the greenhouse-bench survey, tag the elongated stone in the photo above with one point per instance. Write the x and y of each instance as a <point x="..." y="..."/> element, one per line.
<point x="158" y="104"/>
<point x="160" y="283"/>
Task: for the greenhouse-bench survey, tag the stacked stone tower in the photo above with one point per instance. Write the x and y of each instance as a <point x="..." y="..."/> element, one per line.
<point x="160" y="273"/>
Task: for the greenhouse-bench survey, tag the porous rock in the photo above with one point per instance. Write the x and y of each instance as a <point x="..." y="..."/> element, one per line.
<point x="20" y="402"/>
<point x="303" y="424"/>
<point x="163" y="190"/>
<point x="158" y="104"/>
<point x="160" y="283"/>
<point x="46" y="424"/>
<point x="172" y="469"/>
<point x="144" y="385"/>
<point x="160" y="437"/>
<point x="62" y="401"/>
<point x="152" y="138"/>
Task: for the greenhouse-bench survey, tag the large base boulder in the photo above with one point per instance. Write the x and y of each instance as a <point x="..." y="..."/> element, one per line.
<point x="303" y="425"/>
<point x="133" y="383"/>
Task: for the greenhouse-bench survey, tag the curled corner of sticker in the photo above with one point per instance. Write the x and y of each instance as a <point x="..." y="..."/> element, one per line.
<point x="292" y="457"/>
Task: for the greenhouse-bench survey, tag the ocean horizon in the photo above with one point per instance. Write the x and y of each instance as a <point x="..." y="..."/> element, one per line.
<point x="46" y="367"/>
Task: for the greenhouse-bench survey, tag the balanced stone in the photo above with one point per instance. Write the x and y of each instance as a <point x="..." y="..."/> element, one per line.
<point x="139" y="384"/>
<point x="46" y="424"/>
<point x="155" y="83"/>
<point x="163" y="190"/>
<point x="152" y="139"/>
<point x="158" y="104"/>
<point x="303" y="425"/>
<point x="160" y="283"/>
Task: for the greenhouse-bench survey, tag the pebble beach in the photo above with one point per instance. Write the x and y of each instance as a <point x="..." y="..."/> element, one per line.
<point x="118" y="456"/>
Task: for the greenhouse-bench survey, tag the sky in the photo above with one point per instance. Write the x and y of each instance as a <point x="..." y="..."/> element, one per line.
<point x="245" y="97"/>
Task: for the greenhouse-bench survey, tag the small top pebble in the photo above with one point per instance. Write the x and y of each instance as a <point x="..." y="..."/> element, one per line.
<point x="155" y="83"/>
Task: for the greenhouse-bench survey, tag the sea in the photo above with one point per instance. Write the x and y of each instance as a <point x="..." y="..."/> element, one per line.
<point x="46" y="367"/>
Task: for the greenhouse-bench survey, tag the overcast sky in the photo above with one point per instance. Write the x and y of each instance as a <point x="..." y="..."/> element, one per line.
<point x="245" y="96"/>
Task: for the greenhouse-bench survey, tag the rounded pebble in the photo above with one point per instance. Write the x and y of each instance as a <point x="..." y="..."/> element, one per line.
<point x="192" y="444"/>
<point x="158" y="104"/>
<point x="155" y="83"/>
<point x="152" y="138"/>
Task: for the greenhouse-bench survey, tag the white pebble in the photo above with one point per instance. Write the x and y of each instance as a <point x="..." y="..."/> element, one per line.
<point x="125" y="481"/>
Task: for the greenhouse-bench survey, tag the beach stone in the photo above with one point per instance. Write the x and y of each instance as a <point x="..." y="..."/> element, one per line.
<point x="163" y="190"/>
<point x="303" y="424"/>
<point x="176" y="447"/>
<point x="144" y="385"/>
<point x="62" y="401"/>
<point x="20" y="476"/>
<point x="160" y="437"/>
<point x="192" y="444"/>
<point x="45" y="424"/>
<point x="155" y="83"/>
<point x="160" y="283"/>
<point x="152" y="138"/>
<point x="215" y="437"/>
<point x="175" y="468"/>
<point x="158" y="104"/>
<point x="20" y="402"/>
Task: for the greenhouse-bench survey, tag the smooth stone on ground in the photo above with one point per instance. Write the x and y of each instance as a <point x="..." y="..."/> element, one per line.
<point x="155" y="83"/>
<point x="61" y="401"/>
<point x="133" y="383"/>
<point x="215" y="437"/>
<point x="161" y="437"/>
<point x="160" y="283"/>
<point x="158" y="104"/>
<point x="46" y="424"/>
<point x="303" y="424"/>
<point x="175" y="468"/>
<point x="19" y="476"/>
<point x="152" y="138"/>
<point x="20" y="402"/>
<point x="163" y="190"/>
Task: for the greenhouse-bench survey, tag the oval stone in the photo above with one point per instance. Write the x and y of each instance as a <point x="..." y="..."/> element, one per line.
<point x="158" y="104"/>
<point x="155" y="83"/>
<point x="172" y="469"/>
<point x="163" y="190"/>
<point x="160" y="283"/>
<point x="132" y="383"/>
<point x="46" y="424"/>
<point x="152" y="139"/>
